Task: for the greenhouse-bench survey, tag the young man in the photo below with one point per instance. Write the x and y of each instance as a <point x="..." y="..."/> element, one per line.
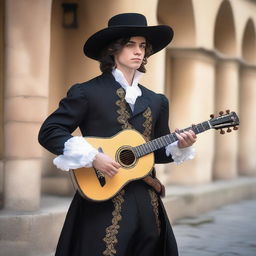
<point x="133" y="222"/>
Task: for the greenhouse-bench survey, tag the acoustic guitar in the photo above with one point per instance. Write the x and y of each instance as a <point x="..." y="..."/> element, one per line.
<point x="135" y="156"/>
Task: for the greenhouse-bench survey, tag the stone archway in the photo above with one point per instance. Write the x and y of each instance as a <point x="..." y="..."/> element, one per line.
<point x="226" y="90"/>
<point x="187" y="70"/>
<point x="225" y="38"/>
<point x="247" y="94"/>
<point x="249" y="43"/>
<point x="179" y="14"/>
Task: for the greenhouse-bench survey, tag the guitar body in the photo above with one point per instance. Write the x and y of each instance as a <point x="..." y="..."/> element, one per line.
<point x="86" y="180"/>
<point x="135" y="156"/>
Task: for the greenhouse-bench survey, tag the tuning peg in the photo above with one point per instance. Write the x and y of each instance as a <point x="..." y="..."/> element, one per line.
<point x="212" y="116"/>
<point x="222" y="131"/>
<point x="235" y="128"/>
<point x="228" y="111"/>
<point x="221" y="113"/>
<point x="229" y="130"/>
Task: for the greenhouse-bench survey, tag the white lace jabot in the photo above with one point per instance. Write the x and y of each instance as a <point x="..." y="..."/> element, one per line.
<point x="132" y="91"/>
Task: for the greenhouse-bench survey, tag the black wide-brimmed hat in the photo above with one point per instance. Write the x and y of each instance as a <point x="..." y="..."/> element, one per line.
<point x="128" y="25"/>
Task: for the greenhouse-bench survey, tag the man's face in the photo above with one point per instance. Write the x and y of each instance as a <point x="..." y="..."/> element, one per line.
<point x="131" y="55"/>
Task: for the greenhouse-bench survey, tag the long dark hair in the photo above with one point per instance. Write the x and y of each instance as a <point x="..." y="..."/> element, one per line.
<point x="107" y="61"/>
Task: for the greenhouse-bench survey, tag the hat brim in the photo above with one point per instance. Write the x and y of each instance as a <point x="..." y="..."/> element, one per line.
<point x="158" y="36"/>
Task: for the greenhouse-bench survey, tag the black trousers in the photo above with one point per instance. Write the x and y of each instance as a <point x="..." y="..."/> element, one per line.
<point x="133" y="223"/>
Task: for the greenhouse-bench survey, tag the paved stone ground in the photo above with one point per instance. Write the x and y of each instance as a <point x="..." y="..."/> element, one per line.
<point x="228" y="231"/>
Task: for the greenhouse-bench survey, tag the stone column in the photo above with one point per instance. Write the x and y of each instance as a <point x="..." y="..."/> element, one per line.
<point x="1" y="98"/>
<point x="247" y="135"/>
<point x="191" y="76"/>
<point x="26" y="90"/>
<point x="227" y="82"/>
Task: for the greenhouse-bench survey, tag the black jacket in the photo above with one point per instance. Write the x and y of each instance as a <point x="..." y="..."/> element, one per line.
<point x="99" y="109"/>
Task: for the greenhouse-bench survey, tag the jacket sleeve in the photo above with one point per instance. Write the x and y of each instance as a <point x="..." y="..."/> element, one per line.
<point x="161" y="129"/>
<point x="58" y="127"/>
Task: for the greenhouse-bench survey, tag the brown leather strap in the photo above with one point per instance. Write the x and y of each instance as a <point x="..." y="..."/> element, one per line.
<point x="155" y="184"/>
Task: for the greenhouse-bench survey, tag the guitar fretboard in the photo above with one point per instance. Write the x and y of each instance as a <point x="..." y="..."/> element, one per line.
<point x="165" y="140"/>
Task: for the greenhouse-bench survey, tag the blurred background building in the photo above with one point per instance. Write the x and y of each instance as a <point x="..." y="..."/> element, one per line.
<point x="210" y="66"/>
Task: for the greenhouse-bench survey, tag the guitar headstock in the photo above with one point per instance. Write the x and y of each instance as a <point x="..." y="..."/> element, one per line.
<point x="227" y="120"/>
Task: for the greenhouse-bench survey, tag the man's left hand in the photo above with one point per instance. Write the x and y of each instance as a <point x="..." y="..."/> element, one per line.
<point x="186" y="139"/>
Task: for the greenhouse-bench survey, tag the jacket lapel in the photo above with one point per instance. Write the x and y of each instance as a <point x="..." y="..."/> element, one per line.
<point x="141" y="105"/>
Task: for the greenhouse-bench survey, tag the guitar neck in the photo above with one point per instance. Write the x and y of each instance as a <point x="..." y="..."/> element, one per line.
<point x="165" y="140"/>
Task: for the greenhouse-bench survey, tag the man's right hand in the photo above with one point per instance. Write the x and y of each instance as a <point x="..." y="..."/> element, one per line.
<point x="106" y="165"/>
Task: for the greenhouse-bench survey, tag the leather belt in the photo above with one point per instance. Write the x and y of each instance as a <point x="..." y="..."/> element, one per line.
<point x="155" y="184"/>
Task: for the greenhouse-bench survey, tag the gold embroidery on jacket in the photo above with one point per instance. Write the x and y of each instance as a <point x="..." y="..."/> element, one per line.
<point x="147" y="124"/>
<point x="112" y="231"/>
<point x="155" y="204"/>
<point x="124" y="115"/>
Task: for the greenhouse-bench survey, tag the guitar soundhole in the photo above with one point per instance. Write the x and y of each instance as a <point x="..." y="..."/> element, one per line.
<point x="126" y="157"/>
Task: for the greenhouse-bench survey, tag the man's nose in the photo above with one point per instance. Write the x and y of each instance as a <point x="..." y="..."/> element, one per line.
<point x="138" y="50"/>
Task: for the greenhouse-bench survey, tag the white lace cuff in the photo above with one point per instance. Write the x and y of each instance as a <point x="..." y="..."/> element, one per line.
<point x="77" y="153"/>
<point x="180" y="155"/>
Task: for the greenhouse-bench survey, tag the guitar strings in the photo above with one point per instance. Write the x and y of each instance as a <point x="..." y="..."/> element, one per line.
<point x="127" y="157"/>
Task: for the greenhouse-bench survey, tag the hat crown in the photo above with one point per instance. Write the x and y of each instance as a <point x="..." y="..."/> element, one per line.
<point x="128" y="19"/>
